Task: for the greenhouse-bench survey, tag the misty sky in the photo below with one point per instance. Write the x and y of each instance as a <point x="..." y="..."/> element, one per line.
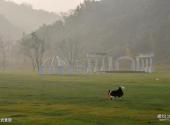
<point x="51" y="5"/>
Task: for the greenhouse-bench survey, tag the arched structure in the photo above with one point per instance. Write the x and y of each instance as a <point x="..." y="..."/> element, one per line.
<point x="117" y="63"/>
<point x="57" y="65"/>
<point x="98" y="62"/>
<point x="104" y="63"/>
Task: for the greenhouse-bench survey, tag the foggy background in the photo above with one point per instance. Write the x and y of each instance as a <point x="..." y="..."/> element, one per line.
<point x="117" y="27"/>
<point x="51" y="5"/>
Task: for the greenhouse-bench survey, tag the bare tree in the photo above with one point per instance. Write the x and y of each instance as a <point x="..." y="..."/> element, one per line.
<point x="71" y="51"/>
<point x="34" y="48"/>
<point x="3" y="53"/>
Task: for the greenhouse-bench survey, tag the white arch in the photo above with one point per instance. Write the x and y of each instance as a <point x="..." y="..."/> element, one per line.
<point x="117" y="63"/>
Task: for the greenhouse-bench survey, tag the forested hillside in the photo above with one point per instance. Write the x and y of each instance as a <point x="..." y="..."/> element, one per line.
<point x="116" y="27"/>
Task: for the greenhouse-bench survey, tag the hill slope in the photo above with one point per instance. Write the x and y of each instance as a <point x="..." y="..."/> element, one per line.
<point x="24" y="17"/>
<point x="8" y="30"/>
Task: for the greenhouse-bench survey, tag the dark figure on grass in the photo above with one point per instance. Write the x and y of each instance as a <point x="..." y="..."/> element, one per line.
<point x="116" y="93"/>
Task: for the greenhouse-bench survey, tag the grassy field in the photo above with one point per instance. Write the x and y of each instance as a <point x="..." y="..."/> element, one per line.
<point x="31" y="99"/>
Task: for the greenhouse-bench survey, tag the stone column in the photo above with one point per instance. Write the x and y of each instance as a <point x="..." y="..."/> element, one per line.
<point x="103" y="64"/>
<point x="133" y="65"/>
<point x="88" y="65"/>
<point x="117" y="66"/>
<point x="96" y="65"/>
<point x="147" y="65"/>
<point x="142" y="64"/>
<point x="110" y="65"/>
<point x="137" y="64"/>
<point x="150" y="64"/>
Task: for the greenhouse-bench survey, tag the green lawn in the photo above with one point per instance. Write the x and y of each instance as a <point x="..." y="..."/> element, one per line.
<point x="31" y="99"/>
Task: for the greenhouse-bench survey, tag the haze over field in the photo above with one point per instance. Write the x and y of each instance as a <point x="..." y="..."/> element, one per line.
<point x="84" y="62"/>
